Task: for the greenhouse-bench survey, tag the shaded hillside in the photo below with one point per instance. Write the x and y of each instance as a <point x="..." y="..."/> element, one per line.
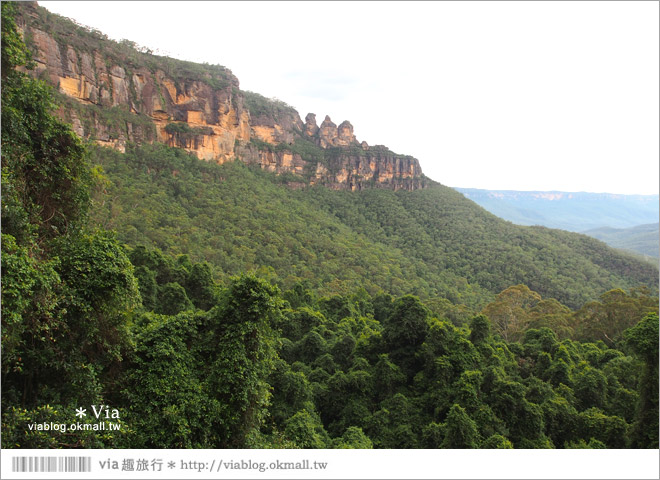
<point x="641" y="239"/>
<point x="440" y="227"/>
<point x="431" y="242"/>
<point x="241" y="218"/>
<point x="573" y="211"/>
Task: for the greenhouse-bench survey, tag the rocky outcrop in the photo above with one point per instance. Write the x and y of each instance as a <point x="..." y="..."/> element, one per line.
<point x="114" y="93"/>
<point x="311" y="128"/>
<point x="345" y="135"/>
<point x="353" y="165"/>
<point x="276" y="129"/>
<point x="376" y="169"/>
<point x="277" y="161"/>
<point x="329" y="135"/>
<point x="99" y="74"/>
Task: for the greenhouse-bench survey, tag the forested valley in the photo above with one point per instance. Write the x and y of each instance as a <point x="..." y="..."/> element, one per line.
<point x="215" y="306"/>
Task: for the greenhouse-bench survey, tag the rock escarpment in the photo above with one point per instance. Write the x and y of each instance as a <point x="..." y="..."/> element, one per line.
<point x="115" y="92"/>
<point x="125" y="95"/>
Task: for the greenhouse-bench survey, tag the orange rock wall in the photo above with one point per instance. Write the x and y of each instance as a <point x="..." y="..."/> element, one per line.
<point x="151" y="96"/>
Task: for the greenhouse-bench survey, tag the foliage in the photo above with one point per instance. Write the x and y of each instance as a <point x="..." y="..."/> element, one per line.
<point x="183" y="135"/>
<point x="464" y="251"/>
<point x="16" y="431"/>
<point x="454" y="393"/>
<point x="510" y="311"/>
<point x="244" y="337"/>
<point x="163" y="389"/>
<point x="67" y="292"/>
<point x="461" y="430"/>
<point x="306" y="430"/>
<point x="404" y="332"/>
<point x="45" y="174"/>
<point x="202" y="376"/>
<point x="643" y="338"/>
<point x="234" y="218"/>
<point x="260" y="106"/>
<point x="641" y="239"/>
<point x="606" y="318"/>
<point x="14" y="52"/>
<point x="496" y="441"/>
<point x="354" y="437"/>
<point x="407" y="319"/>
<point x="338" y="241"/>
<point x="29" y="300"/>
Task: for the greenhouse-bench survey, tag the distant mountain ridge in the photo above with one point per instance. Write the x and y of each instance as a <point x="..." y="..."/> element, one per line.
<point x="572" y="211"/>
<point x="641" y="239"/>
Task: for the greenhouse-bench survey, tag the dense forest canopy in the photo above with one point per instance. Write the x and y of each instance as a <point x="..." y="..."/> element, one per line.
<point x="430" y="242"/>
<point x="216" y="308"/>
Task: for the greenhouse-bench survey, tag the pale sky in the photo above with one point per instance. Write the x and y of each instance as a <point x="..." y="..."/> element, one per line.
<point x="497" y="95"/>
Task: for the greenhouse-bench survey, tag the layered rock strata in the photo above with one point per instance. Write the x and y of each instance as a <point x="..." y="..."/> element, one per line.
<point x="117" y="93"/>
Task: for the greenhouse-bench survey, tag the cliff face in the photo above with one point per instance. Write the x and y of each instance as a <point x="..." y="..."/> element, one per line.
<point x="378" y="169"/>
<point x="100" y="74"/>
<point x="114" y="93"/>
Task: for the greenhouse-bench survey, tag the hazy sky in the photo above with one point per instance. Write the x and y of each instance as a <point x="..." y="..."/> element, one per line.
<point x="498" y="95"/>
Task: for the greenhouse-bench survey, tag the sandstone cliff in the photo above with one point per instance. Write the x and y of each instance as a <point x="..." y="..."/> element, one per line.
<point x="140" y="92"/>
<point x="114" y="93"/>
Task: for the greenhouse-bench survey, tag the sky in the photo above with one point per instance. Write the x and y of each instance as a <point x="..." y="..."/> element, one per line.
<point x="496" y="95"/>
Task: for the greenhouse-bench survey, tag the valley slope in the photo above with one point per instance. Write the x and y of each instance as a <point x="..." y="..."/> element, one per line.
<point x="431" y="242"/>
<point x="642" y="239"/>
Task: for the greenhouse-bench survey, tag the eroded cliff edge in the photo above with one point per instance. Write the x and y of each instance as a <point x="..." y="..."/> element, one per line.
<point x="115" y="92"/>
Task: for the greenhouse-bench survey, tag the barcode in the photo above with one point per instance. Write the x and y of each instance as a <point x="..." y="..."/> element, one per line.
<point x="51" y="464"/>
